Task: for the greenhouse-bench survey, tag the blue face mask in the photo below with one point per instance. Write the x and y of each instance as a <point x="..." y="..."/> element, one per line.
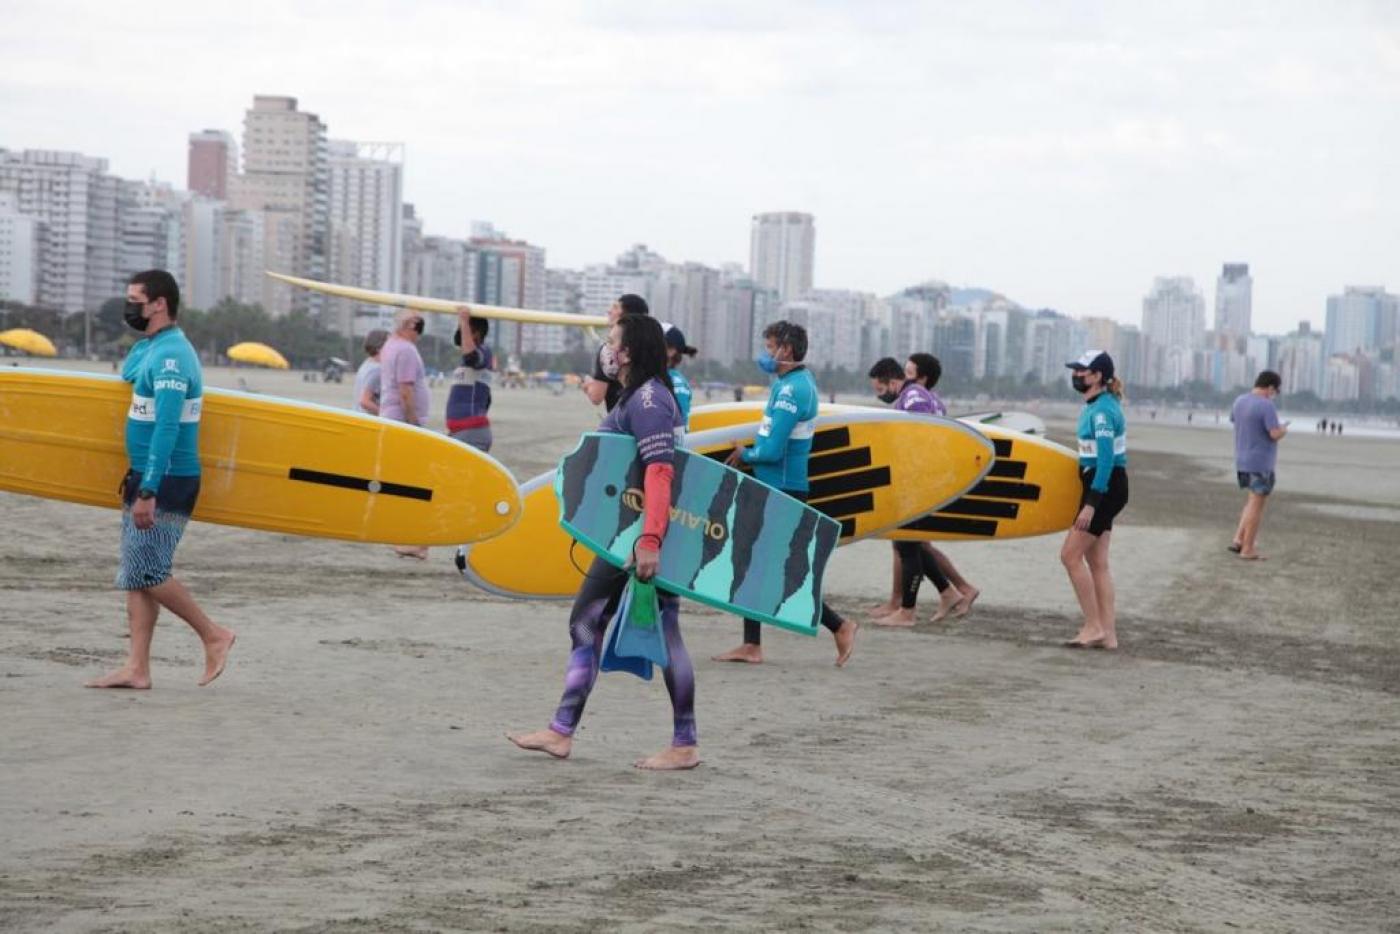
<point x="766" y="363"/>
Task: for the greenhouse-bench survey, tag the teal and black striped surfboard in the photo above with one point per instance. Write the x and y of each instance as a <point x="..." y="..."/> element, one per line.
<point x="733" y="543"/>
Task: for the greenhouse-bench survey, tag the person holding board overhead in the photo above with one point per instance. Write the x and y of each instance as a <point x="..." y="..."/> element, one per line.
<point x="646" y="409"/>
<point x="160" y="489"/>
<point x="779" y="458"/>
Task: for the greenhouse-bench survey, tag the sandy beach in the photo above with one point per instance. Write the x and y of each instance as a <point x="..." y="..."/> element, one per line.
<point x="1236" y="766"/>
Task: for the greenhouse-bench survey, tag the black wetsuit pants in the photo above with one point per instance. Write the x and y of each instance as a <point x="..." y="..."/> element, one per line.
<point x="830" y="618"/>
<point x="916" y="561"/>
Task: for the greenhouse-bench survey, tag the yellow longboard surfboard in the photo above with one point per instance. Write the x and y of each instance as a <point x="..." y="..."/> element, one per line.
<point x="270" y="464"/>
<point x="442" y="305"/>
<point x="1032" y="489"/>
<point x="871" y="470"/>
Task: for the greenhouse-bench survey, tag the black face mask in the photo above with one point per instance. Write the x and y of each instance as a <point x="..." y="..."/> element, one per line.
<point x="1080" y="384"/>
<point x="888" y="397"/>
<point x="418" y="325"/>
<point x="131" y="314"/>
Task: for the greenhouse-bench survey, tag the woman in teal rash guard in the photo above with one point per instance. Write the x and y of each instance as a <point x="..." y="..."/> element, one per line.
<point x="1103" y="472"/>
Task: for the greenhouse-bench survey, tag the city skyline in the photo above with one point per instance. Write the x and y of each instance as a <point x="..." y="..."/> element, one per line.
<point x="1064" y="157"/>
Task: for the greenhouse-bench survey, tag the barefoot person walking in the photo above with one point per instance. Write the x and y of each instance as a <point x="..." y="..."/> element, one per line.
<point x="779" y="457"/>
<point x="1257" y="434"/>
<point x="160" y="489"/>
<point x="646" y="410"/>
<point x="893" y="386"/>
<point x="1103" y="472"/>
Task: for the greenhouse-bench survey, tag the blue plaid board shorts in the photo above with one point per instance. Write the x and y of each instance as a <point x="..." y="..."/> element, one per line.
<point x="147" y="554"/>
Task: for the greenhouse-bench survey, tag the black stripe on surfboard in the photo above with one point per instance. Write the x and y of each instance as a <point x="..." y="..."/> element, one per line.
<point x="846" y="505"/>
<point x="362" y="484"/>
<point x="831" y="439"/>
<point x="1004" y="489"/>
<point x="838" y="461"/>
<point x="951" y="524"/>
<point x="1016" y="470"/>
<point x="1003" y="446"/>
<point x="990" y="508"/>
<point x="861" y="481"/>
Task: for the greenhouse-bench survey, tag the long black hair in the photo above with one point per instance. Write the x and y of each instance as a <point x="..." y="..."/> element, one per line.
<point x="645" y="344"/>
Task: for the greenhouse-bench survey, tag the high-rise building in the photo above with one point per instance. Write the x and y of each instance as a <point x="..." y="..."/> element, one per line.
<point x="150" y="228"/>
<point x="286" y="177"/>
<point x="748" y="308"/>
<point x="955" y="346"/>
<point x="201" y="279"/>
<point x="74" y="200"/>
<point x="782" y="248"/>
<point x="242" y="256"/>
<point x="510" y="273"/>
<point x="213" y="162"/>
<point x="1299" y="362"/>
<point x="366" y="226"/>
<point x="1174" y="320"/>
<point x="563" y="293"/>
<point x="19" y="252"/>
<point x="1234" y="300"/>
<point x="1362" y="318"/>
<point x="1052" y="339"/>
<point x="835" y="321"/>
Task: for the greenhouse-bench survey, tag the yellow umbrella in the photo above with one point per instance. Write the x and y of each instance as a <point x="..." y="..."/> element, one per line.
<point x="258" y="355"/>
<point x="31" y="342"/>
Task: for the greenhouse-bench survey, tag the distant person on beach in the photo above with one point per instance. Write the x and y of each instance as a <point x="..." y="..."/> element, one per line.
<point x="469" y="399"/>
<point x="367" y="376"/>
<point x="603" y="386"/>
<point x="403" y="387"/>
<point x="161" y="486"/>
<point x="1103" y="473"/>
<point x="1257" y="433"/>
<point x="913" y="561"/>
<point x="647" y="411"/>
<point x="676" y="352"/>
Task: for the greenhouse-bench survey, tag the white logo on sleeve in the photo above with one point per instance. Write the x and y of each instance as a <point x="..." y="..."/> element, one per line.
<point x="170" y="365"/>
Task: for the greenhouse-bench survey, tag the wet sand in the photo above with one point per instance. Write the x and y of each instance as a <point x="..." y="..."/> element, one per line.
<point x="1234" y="767"/>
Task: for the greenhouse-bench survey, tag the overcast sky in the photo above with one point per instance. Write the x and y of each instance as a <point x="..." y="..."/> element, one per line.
<point x="1061" y="153"/>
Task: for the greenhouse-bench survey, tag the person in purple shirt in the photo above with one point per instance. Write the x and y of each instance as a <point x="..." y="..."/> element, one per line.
<point x="647" y="410"/>
<point x="1257" y="434"/>
<point x="907" y="389"/>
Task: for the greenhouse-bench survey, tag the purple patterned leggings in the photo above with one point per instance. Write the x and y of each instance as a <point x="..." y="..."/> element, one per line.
<point x="594" y="606"/>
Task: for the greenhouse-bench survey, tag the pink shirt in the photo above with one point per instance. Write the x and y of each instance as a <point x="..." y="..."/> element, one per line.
<point x="400" y="362"/>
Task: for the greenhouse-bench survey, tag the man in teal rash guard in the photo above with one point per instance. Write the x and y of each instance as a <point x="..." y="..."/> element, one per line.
<point x="779" y="458"/>
<point x="162" y="484"/>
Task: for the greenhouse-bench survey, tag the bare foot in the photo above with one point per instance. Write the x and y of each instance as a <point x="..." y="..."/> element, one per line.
<point x="407" y="551"/>
<point x="1107" y="642"/>
<point x="900" y="617"/>
<point x="752" y="654"/>
<point x="1085" y="638"/>
<point x="948" y="601"/>
<point x="216" y="656"/>
<point x="884" y="609"/>
<point x="845" y="638"/>
<point x="671" y="759"/>
<point x="968" y="598"/>
<point x="124" y="677"/>
<point x="556" y="744"/>
<point x="1252" y="556"/>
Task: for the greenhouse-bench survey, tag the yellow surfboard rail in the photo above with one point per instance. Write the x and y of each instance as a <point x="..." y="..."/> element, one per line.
<point x="266" y="463"/>
<point x="442" y="306"/>
<point x="871" y="470"/>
